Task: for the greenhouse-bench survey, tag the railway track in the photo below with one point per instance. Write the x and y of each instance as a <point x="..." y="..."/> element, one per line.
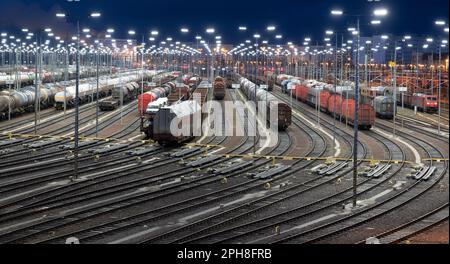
<point x="414" y="140"/>
<point x="24" y="182"/>
<point x="414" y="227"/>
<point x="118" y="227"/>
<point x="432" y="128"/>
<point x="172" y="208"/>
<point x="55" y="133"/>
<point x="175" y="232"/>
<point x="27" y="119"/>
<point x="239" y="231"/>
<point x="51" y="119"/>
<point x="65" y="173"/>
<point x="199" y="228"/>
<point x="51" y="111"/>
<point x="371" y="212"/>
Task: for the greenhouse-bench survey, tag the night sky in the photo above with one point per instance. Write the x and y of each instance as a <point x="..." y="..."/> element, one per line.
<point x="294" y="19"/>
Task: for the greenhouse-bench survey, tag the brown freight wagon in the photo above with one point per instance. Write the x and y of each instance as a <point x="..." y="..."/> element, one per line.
<point x="219" y="88"/>
<point x="284" y="114"/>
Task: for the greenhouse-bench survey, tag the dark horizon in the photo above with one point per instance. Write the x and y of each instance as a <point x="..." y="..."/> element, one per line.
<point x="294" y="20"/>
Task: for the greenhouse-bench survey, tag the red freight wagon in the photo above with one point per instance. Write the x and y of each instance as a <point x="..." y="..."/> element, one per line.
<point x="324" y="96"/>
<point x="331" y="108"/>
<point x="366" y="114"/>
<point x="300" y="92"/>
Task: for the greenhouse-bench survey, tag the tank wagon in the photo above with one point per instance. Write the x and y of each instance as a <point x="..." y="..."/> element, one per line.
<point x="166" y="89"/>
<point x="88" y="91"/>
<point x="27" y="77"/>
<point x="159" y="79"/>
<point x="162" y="78"/>
<point x="284" y="110"/>
<point x="122" y="93"/>
<point x="23" y="99"/>
<point x="151" y="96"/>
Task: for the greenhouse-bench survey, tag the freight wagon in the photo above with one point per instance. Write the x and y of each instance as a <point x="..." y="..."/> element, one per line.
<point x="27" y="77"/>
<point x="382" y="101"/>
<point x="157" y="125"/>
<point x="149" y="116"/>
<point x="219" y="88"/>
<point x="179" y="94"/>
<point x="120" y="95"/>
<point x="322" y="95"/>
<point x="151" y="96"/>
<point x="284" y="110"/>
<point x="384" y="107"/>
<point x="366" y="116"/>
<point x="180" y="114"/>
<point x="88" y="91"/>
<point x="271" y="78"/>
<point x="23" y="99"/>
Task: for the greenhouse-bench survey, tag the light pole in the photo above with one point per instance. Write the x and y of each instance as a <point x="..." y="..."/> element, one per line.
<point x="36" y="83"/>
<point x="394" y="69"/>
<point x="356" y="122"/>
<point x="330" y="32"/>
<point x="377" y="12"/>
<point x="185" y="30"/>
<point x="77" y="86"/>
<point x="142" y="67"/>
<point x="132" y="33"/>
<point x="97" y="93"/>
<point x="256" y="36"/>
<point x="66" y="73"/>
<point x="241" y="29"/>
<point x="444" y="42"/>
<point x="153" y="35"/>
<point x="210" y="67"/>
<point x="196" y="57"/>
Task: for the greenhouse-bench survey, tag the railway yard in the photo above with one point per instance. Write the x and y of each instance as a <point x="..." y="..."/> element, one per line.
<point x="213" y="189"/>
<point x="254" y="143"/>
